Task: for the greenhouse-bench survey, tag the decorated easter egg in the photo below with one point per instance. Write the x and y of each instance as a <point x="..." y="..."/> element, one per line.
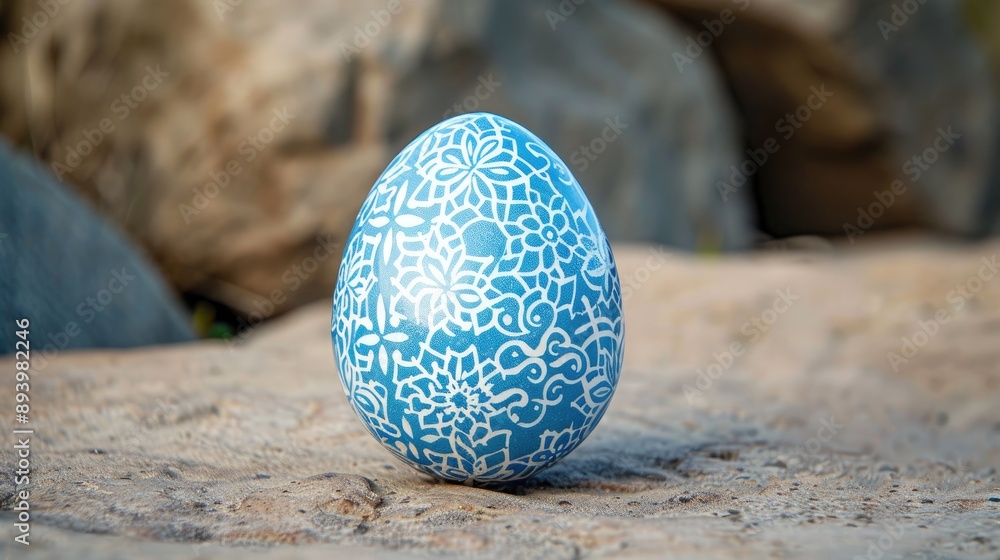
<point x="477" y="315"/>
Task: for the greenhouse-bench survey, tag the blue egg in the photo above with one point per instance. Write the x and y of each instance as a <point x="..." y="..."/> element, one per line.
<point x="477" y="317"/>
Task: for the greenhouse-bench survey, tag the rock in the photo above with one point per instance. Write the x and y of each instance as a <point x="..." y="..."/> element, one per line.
<point x="899" y="78"/>
<point x="648" y="145"/>
<point x="791" y="430"/>
<point x="237" y="151"/>
<point x="235" y="143"/>
<point x="76" y="280"/>
<point x="934" y="83"/>
<point x="212" y="152"/>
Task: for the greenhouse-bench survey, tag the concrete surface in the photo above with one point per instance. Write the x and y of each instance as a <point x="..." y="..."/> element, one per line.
<point x="807" y="444"/>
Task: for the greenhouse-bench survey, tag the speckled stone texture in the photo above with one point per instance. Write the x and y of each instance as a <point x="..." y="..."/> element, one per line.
<point x="807" y="444"/>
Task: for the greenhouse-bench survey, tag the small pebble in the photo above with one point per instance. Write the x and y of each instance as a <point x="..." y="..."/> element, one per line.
<point x="171" y="472"/>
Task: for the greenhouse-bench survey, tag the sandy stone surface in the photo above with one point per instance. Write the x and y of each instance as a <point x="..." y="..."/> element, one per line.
<point x="808" y="443"/>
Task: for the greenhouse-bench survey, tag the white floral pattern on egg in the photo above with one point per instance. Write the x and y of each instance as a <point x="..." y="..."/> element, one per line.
<point x="477" y="314"/>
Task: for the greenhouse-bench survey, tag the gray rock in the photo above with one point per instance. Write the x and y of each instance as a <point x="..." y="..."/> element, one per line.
<point x="597" y="82"/>
<point x="76" y="279"/>
<point x="930" y="74"/>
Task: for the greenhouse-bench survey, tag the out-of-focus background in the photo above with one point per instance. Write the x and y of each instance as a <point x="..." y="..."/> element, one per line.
<point x="803" y="198"/>
<point x="227" y="143"/>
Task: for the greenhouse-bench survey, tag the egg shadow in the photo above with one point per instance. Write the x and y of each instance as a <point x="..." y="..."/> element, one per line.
<point x="614" y="463"/>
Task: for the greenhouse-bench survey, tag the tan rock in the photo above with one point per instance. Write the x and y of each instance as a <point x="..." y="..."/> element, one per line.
<point x="809" y="444"/>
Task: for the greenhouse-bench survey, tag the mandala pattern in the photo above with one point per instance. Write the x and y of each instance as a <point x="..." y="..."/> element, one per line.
<point x="477" y="316"/>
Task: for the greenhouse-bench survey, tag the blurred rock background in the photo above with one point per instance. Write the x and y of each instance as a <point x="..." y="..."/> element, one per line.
<point x="213" y="154"/>
<point x="233" y="141"/>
